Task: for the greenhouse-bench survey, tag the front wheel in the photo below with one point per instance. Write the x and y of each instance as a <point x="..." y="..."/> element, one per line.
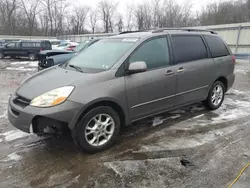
<point x="32" y="56"/>
<point x="216" y="96"/>
<point x="97" y="130"/>
<point x="1" y="55"/>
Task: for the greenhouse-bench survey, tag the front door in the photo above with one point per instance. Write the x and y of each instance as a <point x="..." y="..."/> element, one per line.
<point x="13" y="49"/>
<point x="195" y="69"/>
<point x="152" y="91"/>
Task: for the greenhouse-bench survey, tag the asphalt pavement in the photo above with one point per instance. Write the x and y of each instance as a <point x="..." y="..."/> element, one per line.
<point x="186" y="148"/>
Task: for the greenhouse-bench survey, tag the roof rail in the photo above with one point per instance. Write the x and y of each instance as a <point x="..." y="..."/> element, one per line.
<point x="145" y="30"/>
<point x="184" y="29"/>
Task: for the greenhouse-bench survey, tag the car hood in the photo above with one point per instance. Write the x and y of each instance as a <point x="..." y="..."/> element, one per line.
<point x="58" y="59"/>
<point x="54" y="52"/>
<point x="48" y="80"/>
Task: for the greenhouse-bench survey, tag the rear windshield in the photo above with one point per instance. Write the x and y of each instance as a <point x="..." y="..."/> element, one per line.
<point x="63" y="44"/>
<point x="103" y="54"/>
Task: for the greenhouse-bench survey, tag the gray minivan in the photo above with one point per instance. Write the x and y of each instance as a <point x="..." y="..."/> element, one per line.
<point x="122" y="79"/>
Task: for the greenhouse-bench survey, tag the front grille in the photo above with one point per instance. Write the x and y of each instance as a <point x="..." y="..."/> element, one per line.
<point x="21" y="101"/>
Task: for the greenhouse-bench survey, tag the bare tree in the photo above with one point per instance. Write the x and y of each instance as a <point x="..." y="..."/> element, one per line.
<point x="30" y="8"/>
<point x="120" y="24"/>
<point x="107" y="10"/>
<point x="143" y="16"/>
<point x="7" y="11"/>
<point x="78" y="18"/>
<point x="129" y="17"/>
<point x="93" y="17"/>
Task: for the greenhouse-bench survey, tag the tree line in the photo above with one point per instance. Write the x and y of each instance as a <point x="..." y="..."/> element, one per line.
<point x="61" y="17"/>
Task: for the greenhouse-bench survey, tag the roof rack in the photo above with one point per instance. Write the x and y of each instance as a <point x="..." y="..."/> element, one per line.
<point x="184" y="29"/>
<point x="145" y="30"/>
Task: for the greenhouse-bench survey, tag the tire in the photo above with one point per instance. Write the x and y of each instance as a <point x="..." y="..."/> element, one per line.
<point x="1" y="55"/>
<point x="32" y="56"/>
<point x="86" y="131"/>
<point x="216" y="96"/>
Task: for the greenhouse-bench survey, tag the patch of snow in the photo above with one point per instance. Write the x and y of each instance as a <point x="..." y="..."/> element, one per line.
<point x="241" y="71"/>
<point x="12" y="157"/>
<point x="169" y="143"/>
<point x="33" y="64"/>
<point x="199" y="116"/>
<point x="20" y="69"/>
<point x="114" y="168"/>
<point x="13" y="135"/>
<point x="236" y="92"/>
<point x="4" y="115"/>
<point x="1" y="140"/>
<point x="28" y="63"/>
<point x="157" y="120"/>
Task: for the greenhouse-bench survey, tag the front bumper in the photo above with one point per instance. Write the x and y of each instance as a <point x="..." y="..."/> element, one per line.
<point x="22" y="117"/>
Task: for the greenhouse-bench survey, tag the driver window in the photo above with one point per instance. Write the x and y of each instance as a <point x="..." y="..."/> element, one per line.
<point x="154" y="53"/>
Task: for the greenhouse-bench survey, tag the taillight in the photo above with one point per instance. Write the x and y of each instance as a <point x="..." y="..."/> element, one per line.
<point x="234" y="59"/>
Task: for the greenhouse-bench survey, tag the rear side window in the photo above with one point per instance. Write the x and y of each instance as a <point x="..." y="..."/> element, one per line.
<point x="188" y="48"/>
<point x="38" y="44"/>
<point x="154" y="53"/>
<point x="216" y="46"/>
<point x="27" y="44"/>
<point x="46" y="45"/>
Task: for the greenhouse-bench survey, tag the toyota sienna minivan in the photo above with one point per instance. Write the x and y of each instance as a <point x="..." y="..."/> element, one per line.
<point x="122" y="79"/>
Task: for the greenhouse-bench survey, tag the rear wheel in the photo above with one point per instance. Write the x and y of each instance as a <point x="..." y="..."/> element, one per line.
<point x="97" y="130"/>
<point x="1" y="55"/>
<point x="32" y="56"/>
<point x="216" y="96"/>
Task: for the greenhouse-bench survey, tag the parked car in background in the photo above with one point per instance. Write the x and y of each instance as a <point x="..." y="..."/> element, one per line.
<point x="66" y="45"/>
<point x="122" y="79"/>
<point x="24" y="48"/>
<point x="55" y="57"/>
<point x="55" y="43"/>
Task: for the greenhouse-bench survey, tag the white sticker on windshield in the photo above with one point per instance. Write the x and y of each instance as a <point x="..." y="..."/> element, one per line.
<point x="129" y="40"/>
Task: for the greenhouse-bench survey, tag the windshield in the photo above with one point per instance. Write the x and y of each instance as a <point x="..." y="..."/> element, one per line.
<point x="103" y="54"/>
<point x="81" y="46"/>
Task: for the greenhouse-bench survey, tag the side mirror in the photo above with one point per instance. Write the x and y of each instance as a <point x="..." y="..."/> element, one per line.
<point x="137" y="67"/>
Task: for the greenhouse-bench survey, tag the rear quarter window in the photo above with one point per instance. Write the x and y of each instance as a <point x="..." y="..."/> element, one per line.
<point x="188" y="48"/>
<point x="217" y="46"/>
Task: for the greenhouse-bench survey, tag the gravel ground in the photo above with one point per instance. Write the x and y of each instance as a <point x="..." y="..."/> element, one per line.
<point x="190" y="147"/>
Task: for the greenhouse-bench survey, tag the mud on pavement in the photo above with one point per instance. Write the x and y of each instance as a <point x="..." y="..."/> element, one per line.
<point x="189" y="147"/>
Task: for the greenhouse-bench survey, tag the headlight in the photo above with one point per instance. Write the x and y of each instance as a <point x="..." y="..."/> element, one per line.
<point x="52" y="98"/>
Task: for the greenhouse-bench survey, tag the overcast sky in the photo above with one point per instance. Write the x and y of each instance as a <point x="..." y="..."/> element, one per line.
<point x="197" y="4"/>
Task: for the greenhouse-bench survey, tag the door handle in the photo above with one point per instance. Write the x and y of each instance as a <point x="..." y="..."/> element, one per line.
<point x="180" y="70"/>
<point x="169" y="72"/>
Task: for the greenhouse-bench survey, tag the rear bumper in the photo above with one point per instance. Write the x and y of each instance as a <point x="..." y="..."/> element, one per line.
<point x="230" y="81"/>
<point x="22" y="117"/>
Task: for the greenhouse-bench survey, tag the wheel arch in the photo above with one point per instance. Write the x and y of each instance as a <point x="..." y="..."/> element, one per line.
<point x="101" y="102"/>
<point x="223" y="79"/>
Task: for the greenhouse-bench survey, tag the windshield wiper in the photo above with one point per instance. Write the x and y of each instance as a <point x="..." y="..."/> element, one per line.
<point x="79" y="69"/>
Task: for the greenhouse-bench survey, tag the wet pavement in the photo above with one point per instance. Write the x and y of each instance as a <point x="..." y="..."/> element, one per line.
<point x="190" y="147"/>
